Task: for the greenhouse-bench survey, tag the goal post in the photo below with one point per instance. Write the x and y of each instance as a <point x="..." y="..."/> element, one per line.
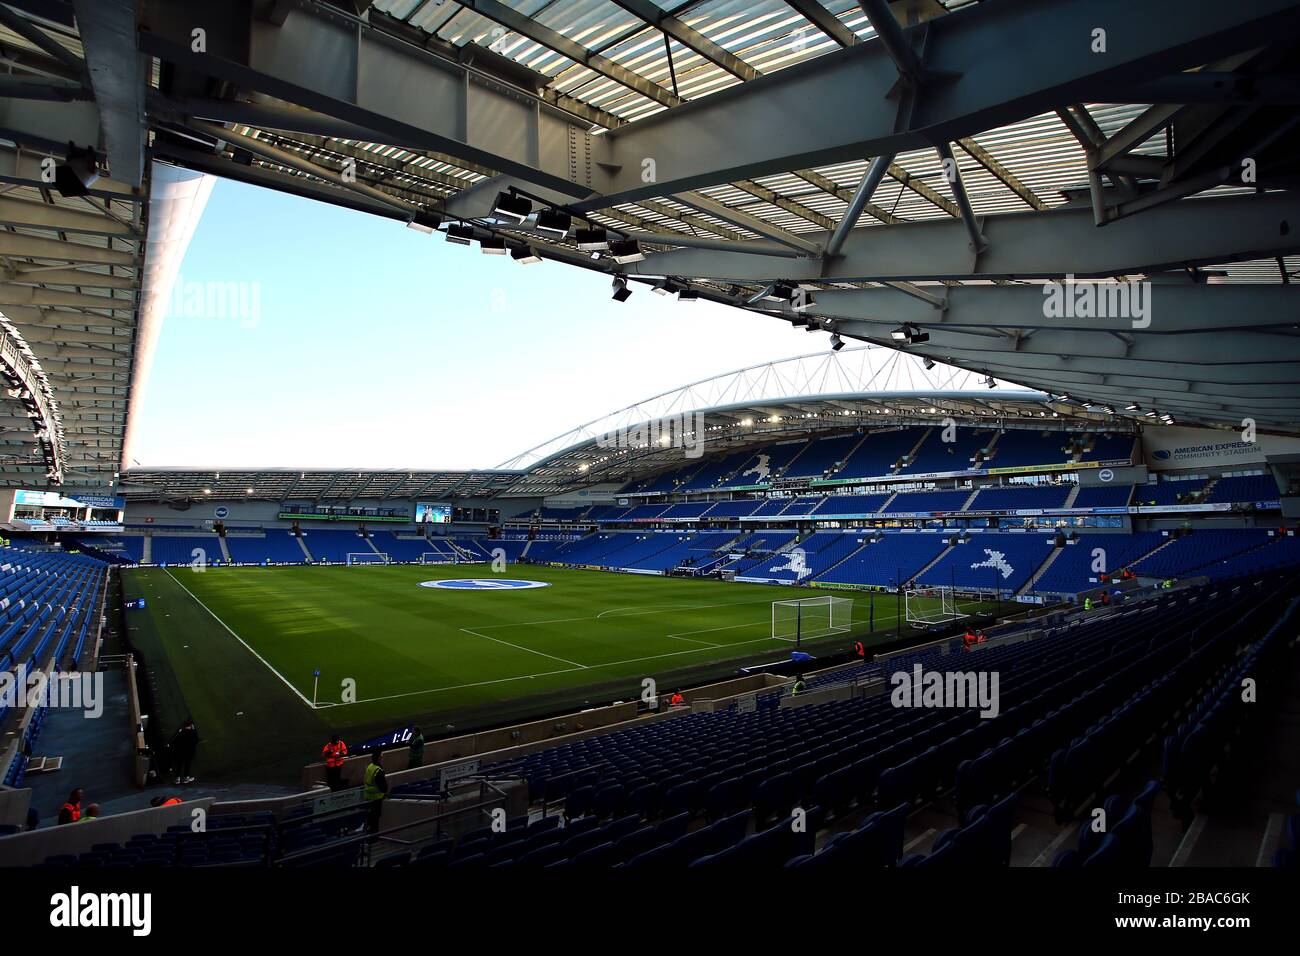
<point x="806" y="619"/>
<point x="367" y="557"/>
<point x="926" y="607"/>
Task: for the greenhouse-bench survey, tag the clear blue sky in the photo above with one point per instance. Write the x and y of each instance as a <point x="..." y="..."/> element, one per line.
<point x="374" y="345"/>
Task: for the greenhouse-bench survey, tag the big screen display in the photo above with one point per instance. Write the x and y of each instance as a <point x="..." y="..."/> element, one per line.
<point x="427" y="512"/>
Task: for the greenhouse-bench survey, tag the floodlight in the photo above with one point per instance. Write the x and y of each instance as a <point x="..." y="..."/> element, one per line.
<point x="425" y="222"/>
<point x="837" y="343"/>
<point x="75" y="175"/>
<point x="621" y="292"/>
<point x="524" y="255"/>
<point x="909" y="334"/>
<point x="554" y="222"/>
<point x="493" y="246"/>
<point x="512" y="206"/>
<point x="460" y="233"/>
<point x="624" y="251"/>
<point x="594" y="239"/>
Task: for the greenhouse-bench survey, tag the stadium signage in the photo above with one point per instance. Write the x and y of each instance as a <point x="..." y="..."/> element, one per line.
<point x="308" y="516"/>
<point x="1212" y="506"/>
<point x="456" y="771"/>
<point x="484" y="584"/>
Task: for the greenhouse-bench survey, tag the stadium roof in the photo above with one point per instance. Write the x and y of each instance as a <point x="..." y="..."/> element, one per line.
<point x="861" y="167"/>
<point x="831" y="391"/>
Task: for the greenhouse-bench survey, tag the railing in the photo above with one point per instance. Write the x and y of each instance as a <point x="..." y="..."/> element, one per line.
<point x="408" y="837"/>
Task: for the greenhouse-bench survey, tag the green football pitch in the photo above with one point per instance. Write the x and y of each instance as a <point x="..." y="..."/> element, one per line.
<point x="238" y="648"/>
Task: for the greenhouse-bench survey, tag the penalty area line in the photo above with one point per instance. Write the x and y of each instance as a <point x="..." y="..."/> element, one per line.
<point x="565" y="670"/>
<point x="299" y="694"/>
<point x="520" y="647"/>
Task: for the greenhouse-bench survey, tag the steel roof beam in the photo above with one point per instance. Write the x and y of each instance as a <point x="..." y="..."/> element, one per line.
<point x="118" y="75"/>
<point x="729" y="134"/>
<point x="358" y="74"/>
<point x="825" y="21"/>
<point x="1048" y="245"/>
<point x="688" y="37"/>
<point x="1172" y="308"/>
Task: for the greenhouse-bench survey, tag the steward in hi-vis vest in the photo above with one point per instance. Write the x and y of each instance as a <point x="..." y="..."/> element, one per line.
<point x="374" y="789"/>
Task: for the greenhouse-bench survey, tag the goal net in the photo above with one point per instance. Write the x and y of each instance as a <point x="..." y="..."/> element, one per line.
<point x="809" y="618"/>
<point x="925" y="607"/>
<point x="366" y="557"/>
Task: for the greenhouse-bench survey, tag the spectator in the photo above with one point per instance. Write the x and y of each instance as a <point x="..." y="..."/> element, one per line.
<point x="417" y="749"/>
<point x="183" y="746"/>
<point x="677" y="700"/>
<point x="70" y="812"/>
<point x="165" y="801"/>
<point x="799" y="686"/>
<point x="92" y="813"/>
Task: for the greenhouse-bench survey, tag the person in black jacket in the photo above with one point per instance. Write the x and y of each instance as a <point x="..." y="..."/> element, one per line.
<point x="183" y="747"/>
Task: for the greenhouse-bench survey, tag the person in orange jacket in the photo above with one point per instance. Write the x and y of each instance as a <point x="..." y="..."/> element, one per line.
<point x="334" y="753"/>
<point x="70" y="812"/>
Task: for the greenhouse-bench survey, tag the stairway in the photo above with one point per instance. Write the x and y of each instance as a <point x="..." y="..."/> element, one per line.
<point x="966" y="504"/>
<point x="373" y="547"/>
<point x="939" y="557"/>
<point x="1070" y="498"/>
<point x="993" y="448"/>
<point x="911" y="455"/>
<point x="847" y="455"/>
<point x="464" y="555"/>
<point x="1033" y="578"/>
<point x="146" y="556"/>
<point x="225" y="552"/>
<point x="1162" y="545"/>
<point x="302" y="543"/>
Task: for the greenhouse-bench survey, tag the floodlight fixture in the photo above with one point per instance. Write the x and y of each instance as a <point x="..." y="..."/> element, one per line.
<point x="462" y="234"/>
<point x="554" y="222"/>
<point x="425" y="222"/>
<point x="594" y="239"/>
<point x="512" y="206"/>
<point x="624" y="251"/>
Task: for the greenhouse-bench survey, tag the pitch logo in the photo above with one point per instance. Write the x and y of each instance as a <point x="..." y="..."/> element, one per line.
<point x="483" y="584"/>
